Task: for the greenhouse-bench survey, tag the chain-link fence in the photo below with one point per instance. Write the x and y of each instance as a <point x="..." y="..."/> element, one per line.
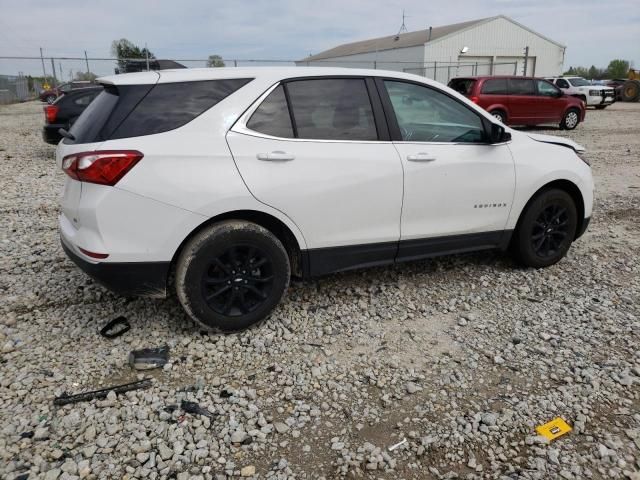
<point x="40" y="73"/>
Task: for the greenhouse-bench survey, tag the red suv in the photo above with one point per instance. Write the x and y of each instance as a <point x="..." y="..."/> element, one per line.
<point x="522" y="100"/>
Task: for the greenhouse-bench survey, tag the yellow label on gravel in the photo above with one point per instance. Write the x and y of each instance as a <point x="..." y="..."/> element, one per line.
<point x="553" y="429"/>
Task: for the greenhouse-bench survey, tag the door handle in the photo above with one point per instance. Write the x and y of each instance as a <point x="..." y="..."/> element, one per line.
<point x="421" y="157"/>
<point x="276" y="156"/>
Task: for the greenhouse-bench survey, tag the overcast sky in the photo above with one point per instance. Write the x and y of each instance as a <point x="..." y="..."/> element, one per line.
<point x="594" y="31"/>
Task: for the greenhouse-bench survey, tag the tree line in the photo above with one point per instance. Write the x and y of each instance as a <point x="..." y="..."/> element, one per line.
<point x="617" y="69"/>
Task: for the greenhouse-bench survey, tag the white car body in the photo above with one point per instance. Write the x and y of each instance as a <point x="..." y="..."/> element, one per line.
<point x="342" y="201"/>
<point x="593" y="95"/>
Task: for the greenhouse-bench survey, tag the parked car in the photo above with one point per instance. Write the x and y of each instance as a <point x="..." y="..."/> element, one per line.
<point x="50" y="95"/>
<point x="617" y="85"/>
<point x="65" y="111"/>
<point x="237" y="178"/>
<point x="522" y="100"/>
<point x="597" y="96"/>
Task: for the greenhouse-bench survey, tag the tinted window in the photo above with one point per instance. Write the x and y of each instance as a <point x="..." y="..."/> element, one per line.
<point x="521" y="86"/>
<point x="495" y="86"/>
<point x="427" y="115"/>
<point x="272" y="116"/>
<point x="546" y="89"/>
<point x="332" y="109"/>
<point x="84" y="100"/>
<point x="579" y="82"/>
<point x="462" y="85"/>
<point x="562" y="83"/>
<point x="87" y="127"/>
<point x="171" y="105"/>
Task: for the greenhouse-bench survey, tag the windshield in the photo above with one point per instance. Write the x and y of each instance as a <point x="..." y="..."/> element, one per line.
<point x="578" y="82"/>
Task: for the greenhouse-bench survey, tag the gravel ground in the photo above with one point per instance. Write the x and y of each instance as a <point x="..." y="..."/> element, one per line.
<point x="461" y="356"/>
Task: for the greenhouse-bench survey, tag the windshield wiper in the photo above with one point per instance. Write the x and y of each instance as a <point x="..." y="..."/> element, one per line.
<point x="66" y="134"/>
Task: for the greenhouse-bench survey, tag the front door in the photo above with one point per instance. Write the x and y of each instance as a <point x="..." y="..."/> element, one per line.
<point x="314" y="150"/>
<point x="548" y="103"/>
<point x="458" y="189"/>
<point x="522" y="98"/>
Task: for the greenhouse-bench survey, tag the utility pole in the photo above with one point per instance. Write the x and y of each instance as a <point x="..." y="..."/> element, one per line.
<point x="60" y="71"/>
<point x="53" y="69"/>
<point x="44" y="72"/>
<point x="526" y="60"/>
<point x="146" y="54"/>
<point x="86" y="60"/>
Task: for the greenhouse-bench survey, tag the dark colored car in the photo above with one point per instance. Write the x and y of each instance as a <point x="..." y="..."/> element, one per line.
<point x="51" y="94"/>
<point x="65" y="111"/>
<point x="522" y="100"/>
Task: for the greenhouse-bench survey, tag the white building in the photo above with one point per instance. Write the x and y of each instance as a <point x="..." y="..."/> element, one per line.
<point x="489" y="46"/>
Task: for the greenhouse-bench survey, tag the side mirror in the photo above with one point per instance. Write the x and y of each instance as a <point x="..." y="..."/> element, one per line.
<point x="498" y="134"/>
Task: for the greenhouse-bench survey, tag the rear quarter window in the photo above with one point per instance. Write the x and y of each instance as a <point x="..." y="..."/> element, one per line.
<point x="462" y="85"/>
<point x="136" y="110"/>
<point x="171" y="105"/>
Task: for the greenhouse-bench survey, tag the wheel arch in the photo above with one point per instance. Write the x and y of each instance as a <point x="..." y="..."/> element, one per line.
<point x="500" y="107"/>
<point x="573" y="191"/>
<point x="266" y="220"/>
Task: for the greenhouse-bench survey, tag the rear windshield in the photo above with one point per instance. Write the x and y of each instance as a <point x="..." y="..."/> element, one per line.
<point x="137" y="110"/>
<point x="462" y="85"/>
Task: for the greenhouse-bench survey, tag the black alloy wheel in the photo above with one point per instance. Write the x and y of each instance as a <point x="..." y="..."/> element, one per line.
<point x="546" y="229"/>
<point x="238" y="281"/>
<point x="550" y="231"/>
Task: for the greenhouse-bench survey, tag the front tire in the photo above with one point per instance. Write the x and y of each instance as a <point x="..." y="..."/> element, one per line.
<point x="570" y="120"/>
<point x="546" y="229"/>
<point x="231" y="275"/>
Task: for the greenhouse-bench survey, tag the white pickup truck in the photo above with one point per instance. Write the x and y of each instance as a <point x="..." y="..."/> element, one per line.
<point x="597" y="96"/>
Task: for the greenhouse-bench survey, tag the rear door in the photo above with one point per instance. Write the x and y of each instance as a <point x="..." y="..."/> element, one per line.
<point x="314" y="149"/>
<point x="493" y="95"/>
<point x="522" y="101"/>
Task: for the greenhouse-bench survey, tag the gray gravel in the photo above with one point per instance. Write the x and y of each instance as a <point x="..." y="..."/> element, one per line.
<point x="461" y="356"/>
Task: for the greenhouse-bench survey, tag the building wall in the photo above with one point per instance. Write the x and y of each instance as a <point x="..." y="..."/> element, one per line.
<point x="498" y="41"/>
<point x="397" y="59"/>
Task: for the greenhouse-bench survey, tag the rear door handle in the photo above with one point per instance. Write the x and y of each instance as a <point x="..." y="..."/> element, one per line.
<point x="276" y="156"/>
<point x="421" y="157"/>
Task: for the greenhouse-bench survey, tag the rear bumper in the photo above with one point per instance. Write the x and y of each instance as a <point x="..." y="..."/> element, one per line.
<point x="140" y="279"/>
<point x="50" y="133"/>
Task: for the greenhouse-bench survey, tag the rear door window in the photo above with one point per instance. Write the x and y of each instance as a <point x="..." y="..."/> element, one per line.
<point x="521" y="86"/>
<point x="272" y="116"/>
<point x="332" y="109"/>
<point x="562" y="83"/>
<point x="495" y="86"/>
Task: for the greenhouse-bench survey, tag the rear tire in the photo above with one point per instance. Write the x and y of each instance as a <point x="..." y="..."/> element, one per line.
<point x="546" y="229"/>
<point x="231" y="275"/>
<point x="499" y="115"/>
<point x="50" y="99"/>
<point x="570" y="120"/>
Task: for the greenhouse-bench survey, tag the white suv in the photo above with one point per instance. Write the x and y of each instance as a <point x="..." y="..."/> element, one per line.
<point x="237" y="178"/>
<point x="597" y="96"/>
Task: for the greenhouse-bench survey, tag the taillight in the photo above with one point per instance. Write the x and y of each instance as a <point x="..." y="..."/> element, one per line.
<point x="51" y="112"/>
<point x="104" y="167"/>
<point x="475" y="99"/>
<point x="99" y="256"/>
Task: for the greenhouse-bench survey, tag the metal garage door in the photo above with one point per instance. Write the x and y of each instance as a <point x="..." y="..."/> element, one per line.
<point x="506" y="65"/>
<point x="472" y="66"/>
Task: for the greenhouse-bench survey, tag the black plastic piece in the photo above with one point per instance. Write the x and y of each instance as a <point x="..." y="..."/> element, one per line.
<point x="583" y="227"/>
<point x="149" y="358"/>
<point x="65" y="398"/>
<point x="108" y="330"/>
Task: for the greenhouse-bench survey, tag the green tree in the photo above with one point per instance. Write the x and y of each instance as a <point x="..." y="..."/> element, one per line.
<point x="84" y="76"/>
<point x="593" y="73"/>
<point x="215" y="61"/>
<point x="124" y="49"/>
<point x="618" y="68"/>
